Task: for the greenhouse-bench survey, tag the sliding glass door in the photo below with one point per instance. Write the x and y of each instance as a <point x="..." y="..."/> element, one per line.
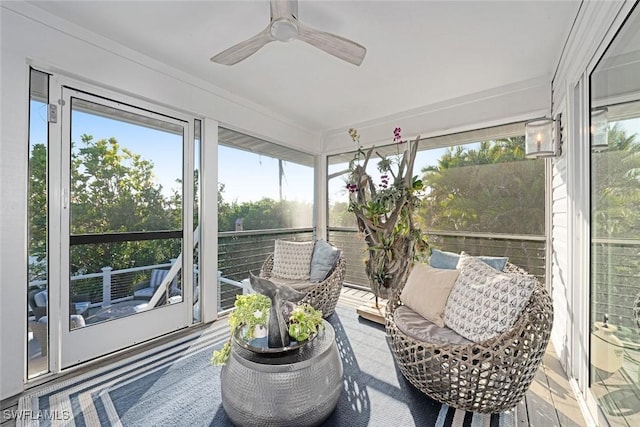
<point x="615" y="228"/>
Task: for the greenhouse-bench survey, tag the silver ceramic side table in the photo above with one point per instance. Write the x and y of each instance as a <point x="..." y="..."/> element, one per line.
<point x="298" y="388"/>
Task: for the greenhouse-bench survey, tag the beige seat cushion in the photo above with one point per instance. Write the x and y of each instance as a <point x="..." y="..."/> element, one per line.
<point x="427" y="290"/>
<point x="419" y="328"/>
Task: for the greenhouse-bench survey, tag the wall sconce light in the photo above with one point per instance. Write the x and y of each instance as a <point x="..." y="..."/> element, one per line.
<point x="599" y="128"/>
<point x="543" y="138"/>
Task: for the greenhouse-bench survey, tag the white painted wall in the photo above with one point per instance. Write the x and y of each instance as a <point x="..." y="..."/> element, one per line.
<point x="31" y="37"/>
<point x="13" y="216"/>
<point x="507" y="104"/>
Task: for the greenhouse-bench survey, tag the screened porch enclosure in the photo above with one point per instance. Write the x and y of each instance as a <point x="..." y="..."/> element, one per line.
<point x="483" y="197"/>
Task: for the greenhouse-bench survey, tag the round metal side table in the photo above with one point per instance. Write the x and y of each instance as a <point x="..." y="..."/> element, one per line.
<point x="298" y="388"/>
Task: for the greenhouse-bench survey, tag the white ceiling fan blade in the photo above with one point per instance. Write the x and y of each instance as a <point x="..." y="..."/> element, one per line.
<point x="284" y="9"/>
<point x="243" y="50"/>
<point x="337" y="46"/>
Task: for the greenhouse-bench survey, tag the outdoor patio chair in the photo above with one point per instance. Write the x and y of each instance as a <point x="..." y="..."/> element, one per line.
<point x="322" y="295"/>
<point x="145" y="290"/>
<point x="38" y="299"/>
<point x="38" y="321"/>
<point x="491" y="376"/>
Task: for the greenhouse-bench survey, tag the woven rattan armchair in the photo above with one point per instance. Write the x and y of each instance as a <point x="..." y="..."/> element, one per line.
<point x="487" y="377"/>
<point x="322" y="296"/>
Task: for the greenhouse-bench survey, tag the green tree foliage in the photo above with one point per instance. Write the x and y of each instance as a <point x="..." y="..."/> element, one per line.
<point x="113" y="191"/>
<point x="263" y="214"/>
<point x="616" y="186"/>
<point x="491" y="188"/>
<point x="38" y="201"/>
<point x="615" y="213"/>
<point x="339" y="215"/>
<point x="38" y="211"/>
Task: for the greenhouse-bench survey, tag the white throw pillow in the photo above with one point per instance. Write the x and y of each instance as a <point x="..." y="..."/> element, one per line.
<point x="292" y="260"/>
<point x="427" y="290"/>
<point x="484" y="302"/>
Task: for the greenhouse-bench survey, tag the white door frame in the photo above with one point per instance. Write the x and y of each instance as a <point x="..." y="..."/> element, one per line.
<point x="70" y="347"/>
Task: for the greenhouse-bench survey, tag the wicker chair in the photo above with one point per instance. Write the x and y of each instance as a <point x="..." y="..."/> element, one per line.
<point x="487" y="377"/>
<point x="322" y="296"/>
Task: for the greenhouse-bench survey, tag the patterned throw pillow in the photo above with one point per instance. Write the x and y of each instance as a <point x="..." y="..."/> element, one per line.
<point x="484" y="302"/>
<point x="292" y="260"/>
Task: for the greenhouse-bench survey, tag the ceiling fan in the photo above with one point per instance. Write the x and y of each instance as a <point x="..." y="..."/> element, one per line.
<point x="284" y="27"/>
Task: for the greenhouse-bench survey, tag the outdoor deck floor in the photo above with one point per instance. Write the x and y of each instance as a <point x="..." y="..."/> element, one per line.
<point x="549" y="402"/>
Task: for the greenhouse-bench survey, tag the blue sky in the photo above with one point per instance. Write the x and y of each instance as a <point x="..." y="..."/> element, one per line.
<point x="250" y="177"/>
<point x="247" y="176"/>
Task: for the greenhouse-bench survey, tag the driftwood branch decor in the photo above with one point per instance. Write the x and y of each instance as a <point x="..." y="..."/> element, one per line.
<point x="384" y="212"/>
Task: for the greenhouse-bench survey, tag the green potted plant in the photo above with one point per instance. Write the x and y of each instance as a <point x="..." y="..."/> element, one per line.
<point x="384" y="212"/>
<point x="252" y="312"/>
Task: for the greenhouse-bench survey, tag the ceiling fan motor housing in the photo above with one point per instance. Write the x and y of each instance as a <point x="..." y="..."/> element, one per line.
<point x="284" y="30"/>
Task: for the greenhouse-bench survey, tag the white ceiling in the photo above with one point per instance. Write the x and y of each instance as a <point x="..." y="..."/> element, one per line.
<point x="418" y="52"/>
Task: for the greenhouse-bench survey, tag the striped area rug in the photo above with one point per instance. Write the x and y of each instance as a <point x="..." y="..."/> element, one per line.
<point x="176" y="385"/>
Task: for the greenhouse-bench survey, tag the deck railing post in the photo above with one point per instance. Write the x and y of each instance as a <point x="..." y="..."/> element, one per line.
<point x="106" y="286"/>
<point x="174" y="283"/>
<point x="219" y="285"/>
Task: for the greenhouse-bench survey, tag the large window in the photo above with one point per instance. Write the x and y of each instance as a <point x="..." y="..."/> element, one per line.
<point x="265" y="192"/>
<point x="262" y="185"/>
<point x="38" y="269"/>
<point x="126" y="207"/>
<point x="615" y="228"/>
<point x="481" y="196"/>
<point x="107" y="213"/>
<point x="197" y="196"/>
